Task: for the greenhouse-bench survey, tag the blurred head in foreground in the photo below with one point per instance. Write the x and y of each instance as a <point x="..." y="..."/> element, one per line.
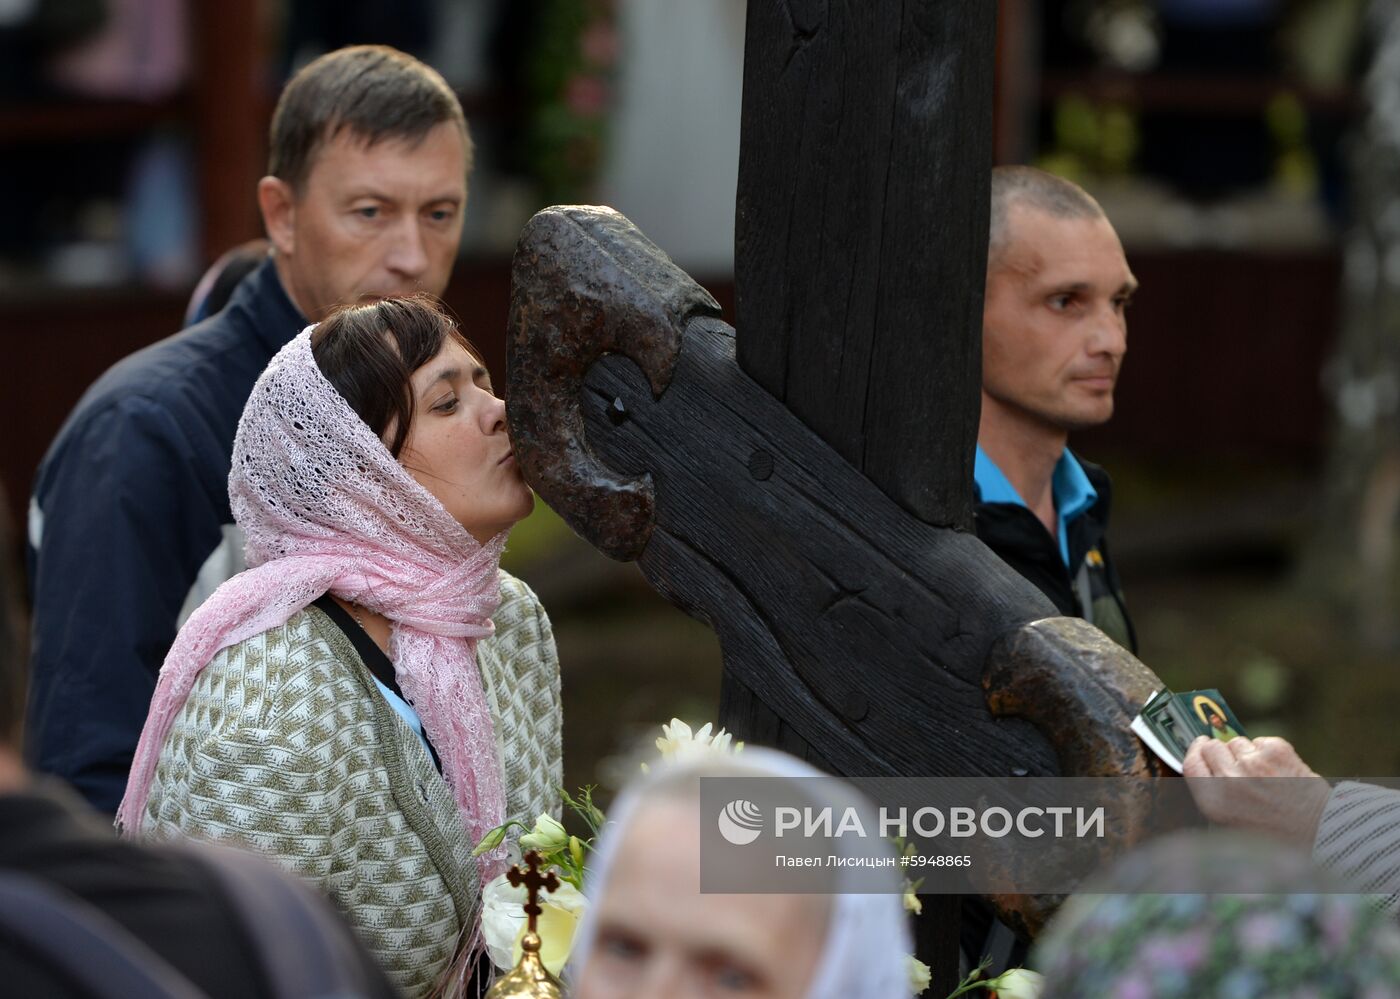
<point x="650" y="931"/>
<point x="1263" y="921"/>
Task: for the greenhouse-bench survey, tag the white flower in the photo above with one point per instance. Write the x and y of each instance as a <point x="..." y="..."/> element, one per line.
<point x="911" y="900"/>
<point x="1018" y="983"/>
<point x="503" y="923"/>
<point x="679" y="742"/>
<point x="547" y="836"/>
<point x="502" y="916"/>
<point x="919" y="975"/>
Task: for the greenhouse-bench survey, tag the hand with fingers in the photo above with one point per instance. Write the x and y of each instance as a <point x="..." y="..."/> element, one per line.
<point x="1270" y="788"/>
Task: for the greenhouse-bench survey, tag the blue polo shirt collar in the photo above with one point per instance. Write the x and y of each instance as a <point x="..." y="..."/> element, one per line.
<point x="1073" y="492"/>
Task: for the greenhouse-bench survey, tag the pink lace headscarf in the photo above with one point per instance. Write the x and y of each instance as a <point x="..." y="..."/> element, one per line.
<point x="325" y="507"/>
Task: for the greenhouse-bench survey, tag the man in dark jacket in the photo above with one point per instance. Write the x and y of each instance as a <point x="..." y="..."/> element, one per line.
<point x="129" y="523"/>
<point x="1054" y="332"/>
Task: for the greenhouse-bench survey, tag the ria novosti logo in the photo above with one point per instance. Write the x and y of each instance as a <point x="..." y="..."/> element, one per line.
<point x="741" y="822"/>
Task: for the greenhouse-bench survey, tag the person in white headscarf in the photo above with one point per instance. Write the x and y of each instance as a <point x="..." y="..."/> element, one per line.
<point x="651" y="932"/>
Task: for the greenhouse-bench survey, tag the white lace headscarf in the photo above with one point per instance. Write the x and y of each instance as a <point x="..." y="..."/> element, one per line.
<point x="327" y="508"/>
<point x="868" y="940"/>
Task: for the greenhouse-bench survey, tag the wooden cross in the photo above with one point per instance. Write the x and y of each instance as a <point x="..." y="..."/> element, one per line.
<point x="805" y="485"/>
<point x="533" y="881"/>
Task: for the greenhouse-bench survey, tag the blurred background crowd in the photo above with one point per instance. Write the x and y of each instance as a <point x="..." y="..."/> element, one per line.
<point x="1247" y="151"/>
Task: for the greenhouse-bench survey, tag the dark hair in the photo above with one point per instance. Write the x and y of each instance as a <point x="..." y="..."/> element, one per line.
<point x="369" y="353"/>
<point x="14" y="659"/>
<point x="375" y="91"/>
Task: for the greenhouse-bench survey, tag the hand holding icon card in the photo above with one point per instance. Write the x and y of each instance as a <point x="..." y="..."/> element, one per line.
<point x="1170" y="722"/>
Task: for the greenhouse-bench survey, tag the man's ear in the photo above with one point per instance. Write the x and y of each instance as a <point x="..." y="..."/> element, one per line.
<point x="278" y="205"/>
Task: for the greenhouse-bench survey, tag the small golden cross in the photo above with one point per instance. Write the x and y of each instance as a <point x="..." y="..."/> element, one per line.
<point x="533" y="881"/>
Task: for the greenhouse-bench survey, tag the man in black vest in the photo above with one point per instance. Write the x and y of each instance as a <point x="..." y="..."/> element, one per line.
<point x="1054" y="332"/>
<point x="129" y="522"/>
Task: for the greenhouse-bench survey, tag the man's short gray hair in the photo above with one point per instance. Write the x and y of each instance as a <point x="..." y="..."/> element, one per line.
<point x="1026" y="185"/>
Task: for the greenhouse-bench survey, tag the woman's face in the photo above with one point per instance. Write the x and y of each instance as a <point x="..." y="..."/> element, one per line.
<point x="657" y="935"/>
<point x="457" y="446"/>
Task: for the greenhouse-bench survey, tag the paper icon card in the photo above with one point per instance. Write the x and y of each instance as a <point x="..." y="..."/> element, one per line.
<point x="1170" y="722"/>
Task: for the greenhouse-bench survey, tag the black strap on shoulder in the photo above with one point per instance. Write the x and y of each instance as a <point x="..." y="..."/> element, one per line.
<point x="374" y="658"/>
<point x="372" y="655"/>
<point x="85" y="945"/>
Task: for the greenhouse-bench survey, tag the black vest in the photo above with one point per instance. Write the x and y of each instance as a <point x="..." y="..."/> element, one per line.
<point x="1092" y="591"/>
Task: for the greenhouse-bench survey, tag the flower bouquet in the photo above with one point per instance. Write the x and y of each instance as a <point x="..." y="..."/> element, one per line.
<point x="503" y="920"/>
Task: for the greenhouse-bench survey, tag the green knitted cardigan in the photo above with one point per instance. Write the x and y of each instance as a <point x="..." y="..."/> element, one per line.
<point x="285" y="747"/>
